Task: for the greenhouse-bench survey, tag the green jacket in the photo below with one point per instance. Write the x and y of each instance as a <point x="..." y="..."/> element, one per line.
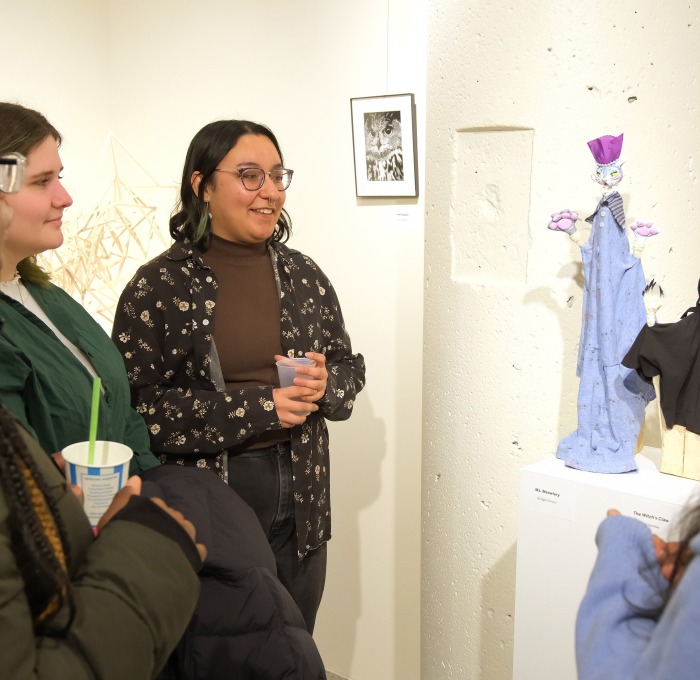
<point x="133" y="592"/>
<point x="50" y="392"/>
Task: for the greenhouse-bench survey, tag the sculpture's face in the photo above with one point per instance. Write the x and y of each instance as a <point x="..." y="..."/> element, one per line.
<point x="608" y="175"/>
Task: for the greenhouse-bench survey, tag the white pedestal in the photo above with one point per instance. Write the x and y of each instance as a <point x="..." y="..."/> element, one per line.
<point x="560" y="509"/>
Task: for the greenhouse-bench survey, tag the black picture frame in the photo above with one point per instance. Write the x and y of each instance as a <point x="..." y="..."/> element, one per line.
<point x="384" y="146"/>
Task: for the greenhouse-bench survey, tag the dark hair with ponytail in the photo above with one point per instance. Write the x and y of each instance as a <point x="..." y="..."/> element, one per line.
<point x="37" y="532"/>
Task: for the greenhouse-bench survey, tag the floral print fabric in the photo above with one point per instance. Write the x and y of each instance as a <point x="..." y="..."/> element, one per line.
<point x="163" y="328"/>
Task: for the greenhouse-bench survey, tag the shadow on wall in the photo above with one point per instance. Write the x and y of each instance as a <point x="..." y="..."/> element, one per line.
<point x="355" y="485"/>
<point x="497" y="619"/>
<point x="406" y="528"/>
<point x="570" y="335"/>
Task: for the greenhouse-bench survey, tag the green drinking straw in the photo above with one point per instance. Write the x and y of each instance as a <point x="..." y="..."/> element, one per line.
<point x="94" y="411"/>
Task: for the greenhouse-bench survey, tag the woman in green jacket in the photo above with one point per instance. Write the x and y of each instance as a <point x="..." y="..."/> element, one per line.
<point x="72" y="605"/>
<point x="51" y="348"/>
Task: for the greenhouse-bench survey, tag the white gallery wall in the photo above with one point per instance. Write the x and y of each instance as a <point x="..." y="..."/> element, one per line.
<point x="155" y="72"/>
<point x="57" y="61"/>
<point x="515" y="90"/>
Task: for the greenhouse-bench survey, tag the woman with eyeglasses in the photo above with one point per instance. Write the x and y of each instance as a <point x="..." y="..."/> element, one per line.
<point x="200" y="328"/>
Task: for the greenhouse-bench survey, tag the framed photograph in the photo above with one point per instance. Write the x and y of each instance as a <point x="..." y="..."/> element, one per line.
<point x="384" y="144"/>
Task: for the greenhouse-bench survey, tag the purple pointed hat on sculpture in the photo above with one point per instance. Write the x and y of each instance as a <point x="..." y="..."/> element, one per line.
<point x="606" y="149"/>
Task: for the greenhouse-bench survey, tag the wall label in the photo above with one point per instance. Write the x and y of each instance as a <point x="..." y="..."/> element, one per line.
<point x="549" y="495"/>
<point x="644" y="516"/>
<point x="660" y="516"/>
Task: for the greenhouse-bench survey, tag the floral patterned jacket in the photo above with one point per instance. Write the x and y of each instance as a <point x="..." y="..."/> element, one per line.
<point x="163" y="328"/>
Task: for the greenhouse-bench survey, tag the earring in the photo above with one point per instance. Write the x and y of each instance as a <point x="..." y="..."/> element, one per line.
<point x="202" y="224"/>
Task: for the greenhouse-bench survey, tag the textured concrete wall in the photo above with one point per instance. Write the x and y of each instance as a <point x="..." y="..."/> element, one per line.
<point x="515" y="90"/>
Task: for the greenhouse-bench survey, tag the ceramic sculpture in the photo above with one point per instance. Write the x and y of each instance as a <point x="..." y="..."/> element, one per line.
<point x="612" y="399"/>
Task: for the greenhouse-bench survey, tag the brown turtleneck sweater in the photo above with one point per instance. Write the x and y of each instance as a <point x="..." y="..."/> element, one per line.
<point x="247" y="321"/>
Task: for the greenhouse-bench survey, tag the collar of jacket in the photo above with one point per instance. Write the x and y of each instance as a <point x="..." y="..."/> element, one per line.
<point x="614" y="202"/>
<point x="185" y="250"/>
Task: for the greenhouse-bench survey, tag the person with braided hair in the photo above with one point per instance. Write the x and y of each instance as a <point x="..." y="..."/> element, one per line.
<point x="77" y="607"/>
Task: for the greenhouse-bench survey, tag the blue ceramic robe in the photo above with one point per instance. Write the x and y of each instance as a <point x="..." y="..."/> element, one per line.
<point x="612" y="398"/>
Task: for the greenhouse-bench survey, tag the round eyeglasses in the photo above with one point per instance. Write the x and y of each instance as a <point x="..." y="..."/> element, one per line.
<point x="253" y="178"/>
<point x="12" y="167"/>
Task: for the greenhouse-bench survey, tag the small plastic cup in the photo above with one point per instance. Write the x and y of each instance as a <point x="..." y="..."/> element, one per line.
<point x="101" y="480"/>
<point x="287" y="371"/>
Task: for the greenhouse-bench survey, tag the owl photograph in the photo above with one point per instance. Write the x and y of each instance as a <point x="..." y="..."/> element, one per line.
<point x="383" y="148"/>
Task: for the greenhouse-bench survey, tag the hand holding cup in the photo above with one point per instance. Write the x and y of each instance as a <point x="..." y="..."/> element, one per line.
<point x="309" y="371"/>
<point x="301" y="379"/>
<point x="99" y="479"/>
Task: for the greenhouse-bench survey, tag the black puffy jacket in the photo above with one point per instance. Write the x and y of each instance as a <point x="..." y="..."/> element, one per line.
<point x="246" y="625"/>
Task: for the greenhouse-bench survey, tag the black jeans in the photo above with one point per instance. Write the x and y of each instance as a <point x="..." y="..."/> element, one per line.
<point x="263" y="479"/>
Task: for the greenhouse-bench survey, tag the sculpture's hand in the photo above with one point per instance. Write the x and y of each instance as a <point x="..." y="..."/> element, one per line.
<point x="642" y="231"/>
<point x="565" y="220"/>
<point x="652" y="296"/>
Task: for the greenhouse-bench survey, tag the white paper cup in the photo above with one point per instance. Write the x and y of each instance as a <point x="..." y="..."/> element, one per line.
<point x="101" y="480"/>
<point x="286" y="369"/>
